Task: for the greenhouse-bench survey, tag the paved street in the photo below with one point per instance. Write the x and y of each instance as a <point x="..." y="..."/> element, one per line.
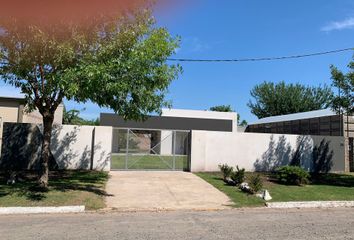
<point x="226" y="224"/>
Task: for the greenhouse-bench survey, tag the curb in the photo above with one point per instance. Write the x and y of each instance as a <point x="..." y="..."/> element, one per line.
<point x="33" y="210"/>
<point x="311" y="204"/>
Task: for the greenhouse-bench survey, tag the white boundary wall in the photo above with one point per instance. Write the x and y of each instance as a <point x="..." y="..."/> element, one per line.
<point x="73" y="146"/>
<point x="262" y="152"/>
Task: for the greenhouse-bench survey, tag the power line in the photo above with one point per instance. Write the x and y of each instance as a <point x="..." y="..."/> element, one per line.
<point x="261" y="59"/>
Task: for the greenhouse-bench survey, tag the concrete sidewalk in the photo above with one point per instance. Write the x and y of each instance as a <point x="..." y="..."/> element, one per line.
<point x="156" y="190"/>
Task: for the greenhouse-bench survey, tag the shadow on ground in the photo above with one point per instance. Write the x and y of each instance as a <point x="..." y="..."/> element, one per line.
<point x="342" y="180"/>
<point x="59" y="181"/>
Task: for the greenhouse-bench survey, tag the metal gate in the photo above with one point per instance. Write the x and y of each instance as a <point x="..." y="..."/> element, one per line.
<point x="142" y="149"/>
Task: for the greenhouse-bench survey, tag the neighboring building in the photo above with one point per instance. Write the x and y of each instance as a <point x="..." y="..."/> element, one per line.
<point x="13" y="110"/>
<point x="321" y="122"/>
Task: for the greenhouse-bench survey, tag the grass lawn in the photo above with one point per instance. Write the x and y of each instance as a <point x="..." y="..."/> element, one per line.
<point x="325" y="188"/>
<point x="65" y="188"/>
<point x="157" y="162"/>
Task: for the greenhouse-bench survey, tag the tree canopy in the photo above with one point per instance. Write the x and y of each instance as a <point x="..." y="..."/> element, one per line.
<point x="227" y="108"/>
<point x="344" y="101"/>
<point x="115" y="61"/>
<point x="271" y="99"/>
<point x="222" y="108"/>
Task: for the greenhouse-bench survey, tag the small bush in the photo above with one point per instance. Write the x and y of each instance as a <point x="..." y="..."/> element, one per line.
<point x="255" y="183"/>
<point x="238" y="176"/>
<point x="292" y="175"/>
<point x="226" y="171"/>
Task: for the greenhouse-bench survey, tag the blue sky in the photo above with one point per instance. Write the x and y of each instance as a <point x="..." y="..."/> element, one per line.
<point x="242" y="29"/>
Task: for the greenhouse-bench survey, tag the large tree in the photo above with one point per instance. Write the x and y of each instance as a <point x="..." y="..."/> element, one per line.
<point x="271" y="99"/>
<point x="114" y="60"/>
<point x="344" y="101"/>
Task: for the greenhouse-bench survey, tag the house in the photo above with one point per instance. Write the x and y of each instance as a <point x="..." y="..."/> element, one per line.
<point x="323" y="122"/>
<point x="12" y="110"/>
<point x="166" y="136"/>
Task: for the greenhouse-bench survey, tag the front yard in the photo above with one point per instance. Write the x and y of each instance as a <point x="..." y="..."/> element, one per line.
<point x="326" y="188"/>
<point x="65" y="188"/>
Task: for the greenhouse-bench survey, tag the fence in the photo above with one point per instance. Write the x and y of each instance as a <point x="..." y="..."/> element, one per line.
<point x="106" y="148"/>
<point x="141" y="149"/>
<point x="265" y="152"/>
<point x="72" y="147"/>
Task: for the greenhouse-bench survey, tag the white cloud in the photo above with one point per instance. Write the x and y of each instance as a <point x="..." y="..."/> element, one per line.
<point x="198" y="45"/>
<point x="193" y="44"/>
<point x="339" y="25"/>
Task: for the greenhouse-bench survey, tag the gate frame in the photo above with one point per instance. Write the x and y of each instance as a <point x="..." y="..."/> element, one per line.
<point x="189" y="137"/>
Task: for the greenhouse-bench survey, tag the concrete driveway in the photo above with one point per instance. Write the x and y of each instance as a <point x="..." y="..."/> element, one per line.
<point x="146" y="190"/>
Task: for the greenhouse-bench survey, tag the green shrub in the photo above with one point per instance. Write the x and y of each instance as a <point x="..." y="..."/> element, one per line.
<point x="292" y="175"/>
<point x="238" y="176"/>
<point x="255" y="183"/>
<point x="226" y="171"/>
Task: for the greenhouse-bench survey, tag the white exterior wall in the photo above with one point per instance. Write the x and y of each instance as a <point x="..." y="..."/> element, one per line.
<point x="209" y="149"/>
<point x="102" y="148"/>
<point x="9" y="113"/>
<point x="72" y="145"/>
<point x="202" y="114"/>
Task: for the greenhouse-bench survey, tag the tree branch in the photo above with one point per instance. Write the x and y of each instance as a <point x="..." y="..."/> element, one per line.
<point x="58" y="101"/>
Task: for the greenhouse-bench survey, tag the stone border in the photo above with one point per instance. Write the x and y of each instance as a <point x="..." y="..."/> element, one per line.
<point x="33" y="210"/>
<point x="311" y="204"/>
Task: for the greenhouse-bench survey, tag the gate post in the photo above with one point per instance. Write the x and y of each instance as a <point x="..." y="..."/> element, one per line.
<point x="174" y="150"/>
<point x="127" y="150"/>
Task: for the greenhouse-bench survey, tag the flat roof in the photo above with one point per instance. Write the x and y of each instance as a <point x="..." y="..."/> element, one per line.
<point x="17" y="99"/>
<point x="168" y="123"/>
<point x="296" y="116"/>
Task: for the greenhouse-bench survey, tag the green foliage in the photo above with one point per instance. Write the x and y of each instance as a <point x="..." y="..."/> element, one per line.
<point x="238" y="176"/>
<point x="72" y="117"/>
<point x="242" y="123"/>
<point x="292" y="175"/>
<point x="227" y="108"/>
<point x="222" y="108"/>
<point x="226" y="171"/>
<point x="271" y="99"/>
<point x="255" y="183"/>
<point x="117" y="63"/>
<point x="344" y="101"/>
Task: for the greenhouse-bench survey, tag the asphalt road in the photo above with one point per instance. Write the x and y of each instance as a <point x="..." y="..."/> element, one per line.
<point x="226" y="224"/>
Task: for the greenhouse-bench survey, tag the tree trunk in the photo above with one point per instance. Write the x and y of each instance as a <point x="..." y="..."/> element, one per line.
<point x="47" y="134"/>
